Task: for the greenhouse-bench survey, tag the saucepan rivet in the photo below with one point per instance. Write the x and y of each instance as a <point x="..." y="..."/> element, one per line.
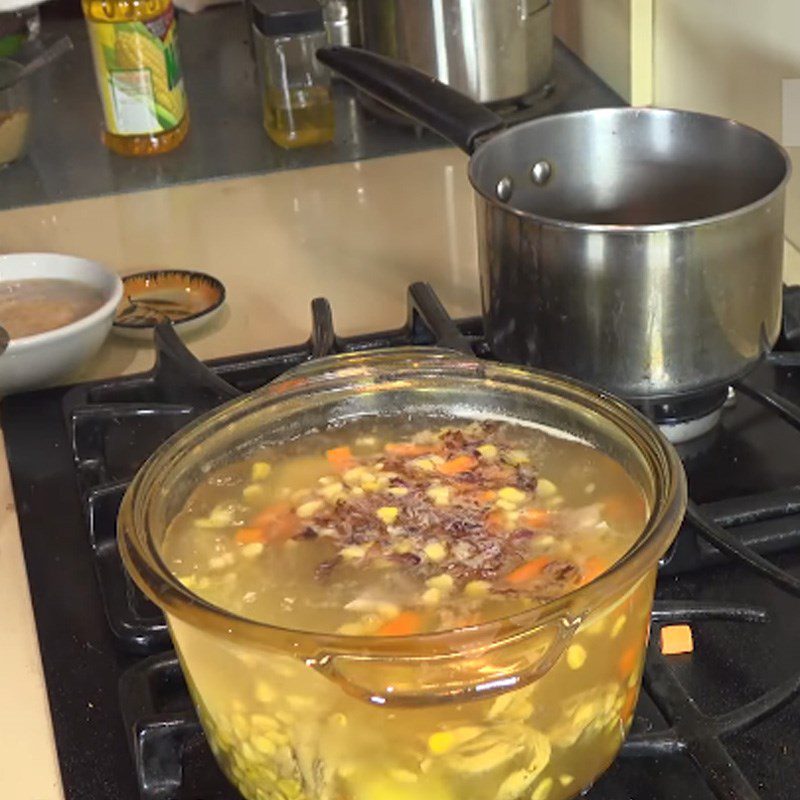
<point x="505" y="188"/>
<point x="541" y="172"/>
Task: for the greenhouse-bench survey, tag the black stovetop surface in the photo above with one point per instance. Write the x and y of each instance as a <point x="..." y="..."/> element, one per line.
<point x="115" y="691"/>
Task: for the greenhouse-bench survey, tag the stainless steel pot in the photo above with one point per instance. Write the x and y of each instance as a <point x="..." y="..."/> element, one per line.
<point x="640" y="250"/>
<point x="491" y="50"/>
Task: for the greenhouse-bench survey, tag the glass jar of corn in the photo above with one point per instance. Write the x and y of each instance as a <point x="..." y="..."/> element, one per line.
<point x="135" y="49"/>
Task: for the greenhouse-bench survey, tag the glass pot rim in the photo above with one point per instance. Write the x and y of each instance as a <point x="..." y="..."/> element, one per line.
<point x="356" y="373"/>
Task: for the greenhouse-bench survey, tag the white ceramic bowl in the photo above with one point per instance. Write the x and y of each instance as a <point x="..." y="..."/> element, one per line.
<point x="31" y="362"/>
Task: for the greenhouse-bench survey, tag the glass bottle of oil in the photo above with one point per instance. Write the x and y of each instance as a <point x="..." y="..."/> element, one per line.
<point x="135" y="50"/>
<point x="295" y="87"/>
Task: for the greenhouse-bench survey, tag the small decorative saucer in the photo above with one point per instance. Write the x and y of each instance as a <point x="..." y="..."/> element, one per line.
<point x="187" y="299"/>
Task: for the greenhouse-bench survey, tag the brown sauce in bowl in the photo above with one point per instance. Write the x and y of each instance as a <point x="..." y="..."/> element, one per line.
<point x="36" y="305"/>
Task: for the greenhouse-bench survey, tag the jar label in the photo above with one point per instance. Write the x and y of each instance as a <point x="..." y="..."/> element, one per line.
<point x="139" y="75"/>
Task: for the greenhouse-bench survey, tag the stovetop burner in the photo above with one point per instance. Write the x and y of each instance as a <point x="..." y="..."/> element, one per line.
<point x="719" y="723"/>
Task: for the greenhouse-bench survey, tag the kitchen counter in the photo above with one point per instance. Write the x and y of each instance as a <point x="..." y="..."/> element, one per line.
<point x="357" y="233"/>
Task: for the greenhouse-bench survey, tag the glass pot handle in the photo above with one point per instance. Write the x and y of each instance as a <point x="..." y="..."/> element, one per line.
<point x="477" y="673"/>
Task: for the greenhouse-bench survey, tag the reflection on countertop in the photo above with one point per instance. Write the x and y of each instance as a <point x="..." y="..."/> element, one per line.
<point x="357" y="233"/>
<point x="67" y="160"/>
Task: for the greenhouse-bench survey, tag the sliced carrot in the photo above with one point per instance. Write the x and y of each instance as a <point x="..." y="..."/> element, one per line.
<point x="593" y="568"/>
<point x="628" y="660"/>
<point x="496" y="521"/>
<point x="271" y="513"/>
<point x="457" y="465"/>
<point x="528" y="570"/>
<point x="535" y="517"/>
<point x="404" y="624"/>
<point x="284" y="527"/>
<point x="249" y="535"/>
<point x="487" y="496"/>
<point x="278" y="522"/>
<point x="676" y="639"/>
<point x="407" y="449"/>
<point x="340" y="458"/>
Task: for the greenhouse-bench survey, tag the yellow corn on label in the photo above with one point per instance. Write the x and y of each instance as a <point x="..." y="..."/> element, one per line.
<point x="139" y="75"/>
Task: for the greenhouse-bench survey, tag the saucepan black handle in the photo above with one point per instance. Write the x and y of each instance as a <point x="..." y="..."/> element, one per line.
<point x="451" y="114"/>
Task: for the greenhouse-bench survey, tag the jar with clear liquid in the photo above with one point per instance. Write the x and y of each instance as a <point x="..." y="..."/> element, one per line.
<point x="295" y="87"/>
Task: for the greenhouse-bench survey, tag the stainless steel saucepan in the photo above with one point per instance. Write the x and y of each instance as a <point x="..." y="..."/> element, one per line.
<point x="639" y="249"/>
<point x="491" y="50"/>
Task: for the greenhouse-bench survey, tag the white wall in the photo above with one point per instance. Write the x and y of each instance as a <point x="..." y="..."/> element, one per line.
<point x="614" y="38"/>
<point x="729" y="57"/>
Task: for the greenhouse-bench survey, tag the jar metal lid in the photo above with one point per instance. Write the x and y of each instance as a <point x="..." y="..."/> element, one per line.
<point x="285" y="17"/>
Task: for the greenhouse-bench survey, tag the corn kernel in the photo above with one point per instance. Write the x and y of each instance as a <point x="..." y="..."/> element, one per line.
<point x="443" y="582"/>
<point x="351" y="629"/>
<point x="260" y="471"/>
<point x="545" y="488"/>
<point x="477" y="588"/>
<point x="308" y="509"/>
<point x="220" y="517"/>
<point x="516" y="457"/>
<point x="441" y="742"/>
<point x="353" y="552"/>
<point x="398" y="491"/>
<point x="264" y="694"/>
<point x="221" y="561"/>
<point x="252" y="550"/>
<point x="435" y="551"/>
<point x="566" y="779"/>
<point x="576" y="656"/>
<point x="370" y="486"/>
<point x="542" y="791"/>
<point x="488" y="451"/>
<point x="290" y="788"/>
<point x="387" y="514"/>
<point x="403" y="775"/>
<point x="264" y="745"/>
<point x="353" y="476"/>
<point x="299" y="701"/>
<point x="253" y="493"/>
<point x="426" y="464"/>
<point x="241" y="727"/>
<point x="505" y="505"/>
<point x="431" y="597"/>
<point x="331" y="490"/>
<point x="512" y="495"/>
<point x="439" y="494"/>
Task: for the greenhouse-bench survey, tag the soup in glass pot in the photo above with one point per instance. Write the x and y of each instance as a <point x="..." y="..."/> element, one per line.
<point x="396" y="529"/>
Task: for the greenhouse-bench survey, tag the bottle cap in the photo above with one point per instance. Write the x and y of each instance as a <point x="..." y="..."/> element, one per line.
<point x="285" y="17"/>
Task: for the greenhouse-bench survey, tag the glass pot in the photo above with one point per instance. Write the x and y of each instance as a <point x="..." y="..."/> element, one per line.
<point x="532" y="706"/>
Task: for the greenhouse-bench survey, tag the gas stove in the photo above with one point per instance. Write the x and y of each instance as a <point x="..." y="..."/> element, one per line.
<point x="721" y="722"/>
